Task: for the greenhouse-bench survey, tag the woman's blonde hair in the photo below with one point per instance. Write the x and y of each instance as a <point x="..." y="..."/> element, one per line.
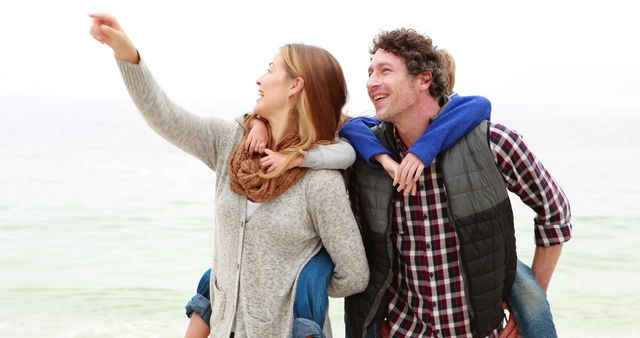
<point x="320" y="102"/>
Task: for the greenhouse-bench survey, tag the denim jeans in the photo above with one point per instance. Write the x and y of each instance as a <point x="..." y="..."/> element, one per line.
<point x="527" y="301"/>
<point x="310" y="305"/>
<point x="529" y="304"/>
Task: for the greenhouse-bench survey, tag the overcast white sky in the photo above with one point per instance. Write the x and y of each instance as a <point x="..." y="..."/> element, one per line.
<point x="541" y="52"/>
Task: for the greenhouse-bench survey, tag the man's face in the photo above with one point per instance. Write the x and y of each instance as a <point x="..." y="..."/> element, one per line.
<point x="391" y="89"/>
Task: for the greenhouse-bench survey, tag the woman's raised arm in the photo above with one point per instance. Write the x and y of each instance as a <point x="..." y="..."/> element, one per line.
<point x="203" y="137"/>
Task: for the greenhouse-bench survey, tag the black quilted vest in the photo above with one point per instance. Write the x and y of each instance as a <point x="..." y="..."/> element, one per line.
<point x="480" y="210"/>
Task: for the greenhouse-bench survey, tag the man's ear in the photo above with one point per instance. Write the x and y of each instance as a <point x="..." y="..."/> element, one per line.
<point x="424" y="80"/>
<point x="296" y="86"/>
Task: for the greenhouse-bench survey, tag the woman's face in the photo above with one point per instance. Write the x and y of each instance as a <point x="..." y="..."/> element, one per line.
<point x="273" y="89"/>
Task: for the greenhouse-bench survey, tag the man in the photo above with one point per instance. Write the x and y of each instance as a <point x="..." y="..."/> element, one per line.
<point x="443" y="261"/>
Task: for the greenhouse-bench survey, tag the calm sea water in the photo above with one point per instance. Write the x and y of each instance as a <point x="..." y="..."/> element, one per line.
<point x="105" y="228"/>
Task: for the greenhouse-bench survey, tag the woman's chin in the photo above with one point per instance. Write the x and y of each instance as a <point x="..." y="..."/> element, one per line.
<point x="259" y="111"/>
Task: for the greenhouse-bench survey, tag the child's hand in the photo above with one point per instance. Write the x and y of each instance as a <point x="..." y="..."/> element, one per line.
<point x="404" y="174"/>
<point x="408" y="173"/>
<point x="274" y="159"/>
<point x="257" y="138"/>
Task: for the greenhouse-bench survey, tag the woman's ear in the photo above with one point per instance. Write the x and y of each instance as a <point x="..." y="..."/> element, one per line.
<point x="296" y="86"/>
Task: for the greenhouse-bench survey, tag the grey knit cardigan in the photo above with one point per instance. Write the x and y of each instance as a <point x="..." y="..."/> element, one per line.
<point x="256" y="262"/>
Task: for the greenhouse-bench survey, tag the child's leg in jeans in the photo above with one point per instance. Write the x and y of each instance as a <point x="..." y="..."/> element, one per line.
<point x="309" y="308"/>
<point x="312" y="301"/>
<point x="529" y="304"/>
<point x="199" y="309"/>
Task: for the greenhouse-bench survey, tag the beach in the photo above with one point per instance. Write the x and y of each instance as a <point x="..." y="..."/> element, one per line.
<point x="106" y="228"/>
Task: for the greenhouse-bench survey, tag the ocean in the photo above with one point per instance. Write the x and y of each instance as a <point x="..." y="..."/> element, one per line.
<point x="105" y="228"/>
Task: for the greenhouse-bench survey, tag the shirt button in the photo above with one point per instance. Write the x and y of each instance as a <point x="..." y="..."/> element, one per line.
<point x="428" y="246"/>
<point x="434" y="306"/>
<point x="431" y="274"/>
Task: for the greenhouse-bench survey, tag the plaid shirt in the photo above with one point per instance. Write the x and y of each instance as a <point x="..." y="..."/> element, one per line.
<point x="426" y="296"/>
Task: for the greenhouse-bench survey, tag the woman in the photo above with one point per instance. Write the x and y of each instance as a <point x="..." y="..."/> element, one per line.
<point x="268" y="225"/>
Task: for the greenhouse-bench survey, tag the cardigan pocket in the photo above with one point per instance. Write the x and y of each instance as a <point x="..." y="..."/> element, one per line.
<point x="217" y="303"/>
<point x="259" y="327"/>
<point x="261" y="310"/>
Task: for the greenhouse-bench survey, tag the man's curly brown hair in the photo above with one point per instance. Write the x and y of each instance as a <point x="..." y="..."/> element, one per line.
<point x="419" y="54"/>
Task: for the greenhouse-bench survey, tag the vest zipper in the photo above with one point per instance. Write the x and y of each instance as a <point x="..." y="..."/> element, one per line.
<point x="387" y="282"/>
<point x="463" y="273"/>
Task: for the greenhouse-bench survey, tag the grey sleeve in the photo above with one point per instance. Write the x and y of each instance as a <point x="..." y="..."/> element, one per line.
<point x="332" y="217"/>
<point x="339" y="155"/>
<point x="197" y="135"/>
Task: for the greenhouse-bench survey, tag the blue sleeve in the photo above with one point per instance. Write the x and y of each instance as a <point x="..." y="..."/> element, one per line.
<point x="458" y="117"/>
<point x="358" y="132"/>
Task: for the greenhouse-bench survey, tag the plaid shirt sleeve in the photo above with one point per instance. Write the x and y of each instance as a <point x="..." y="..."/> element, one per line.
<point x="526" y="177"/>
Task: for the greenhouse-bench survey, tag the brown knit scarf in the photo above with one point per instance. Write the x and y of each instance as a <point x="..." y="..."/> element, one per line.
<point x="243" y="173"/>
